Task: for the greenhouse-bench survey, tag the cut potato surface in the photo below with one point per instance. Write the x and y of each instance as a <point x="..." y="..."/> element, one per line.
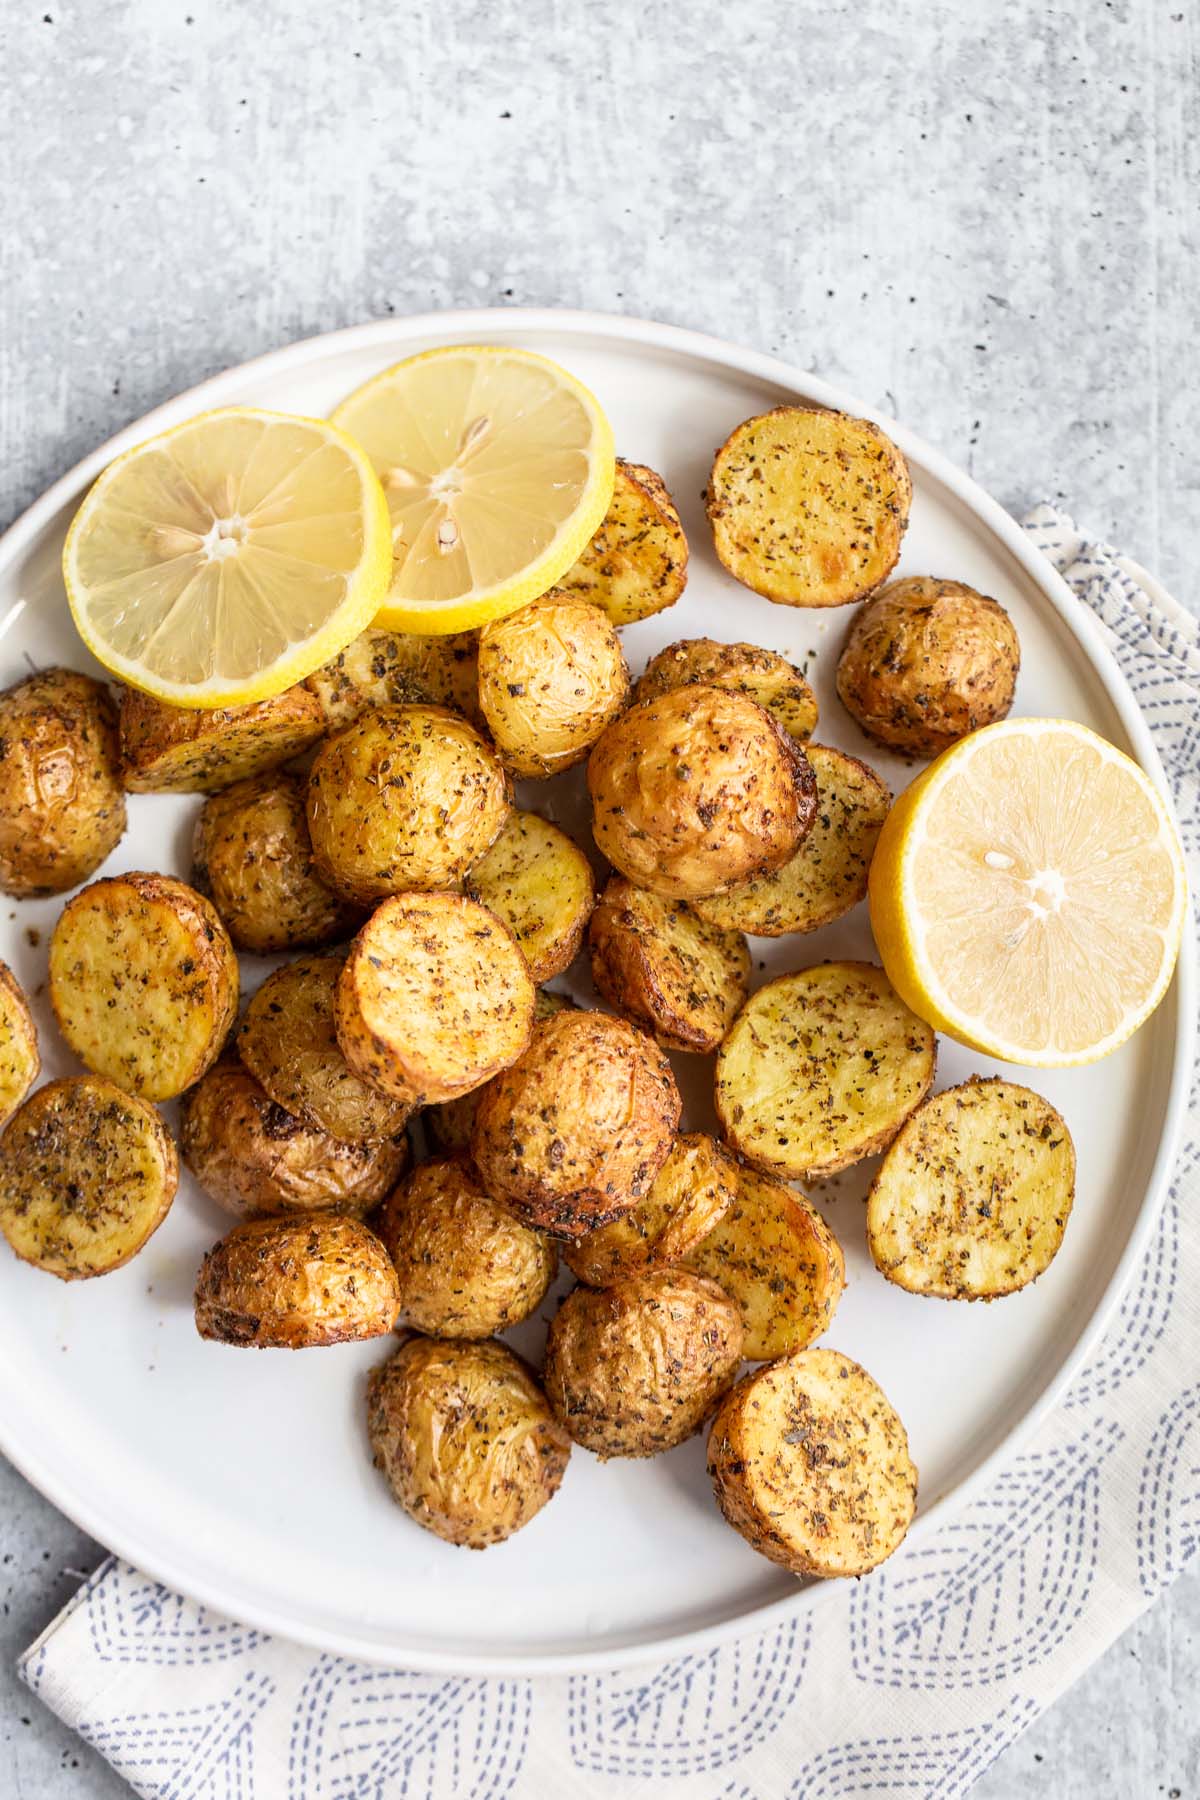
<point x="62" y="808"/>
<point x="20" y="1062"/>
<point x="636" y="564"/>
<point x="87" y="1173"/>
<point x="828" y="874"/>
<point x="551" y="677"/>
<point x="691" y="1193"/>
<point x="450" y="1125"/>
<point x="541" y="886"/>
<point x="809" y="506"/>
<point x="180" y="750"/>
<point x="973" y="1197"/>
<point x="397" y="668"/>
<point x="776" y="684"/>
<point x="666" y="968"/>
<point x="296" y="1284"/>
<point x="820" y="1069"/>
<point x="144" y="982"/>
<point x="810" y="1463"/>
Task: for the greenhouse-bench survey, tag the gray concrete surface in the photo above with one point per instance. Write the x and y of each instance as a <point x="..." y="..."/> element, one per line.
<point x="980" y="216"/>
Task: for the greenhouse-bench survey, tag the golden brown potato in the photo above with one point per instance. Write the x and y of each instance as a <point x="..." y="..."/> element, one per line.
<point x="144" y="982"/>
<point x="185" y="750"/>
<point x="776" y="1258"/>
<point x="451" y="1124"/>
<point x="697" y="791"/>
<point x="251" y="855"/>
<point x="253" y="1158"/>
<point x="20" y="1063"/>
<point x="820" y="1069"/>
<point x="403" y="800"/>
<point x="467" y="1268"/>
<point x="659" y="963"/>
<point x="541" y="885"/>
<point x="810" y="1463"/>
<point x="808" y="506"/>
<point x="691" y="1193"/>
<point x="296" y="1284"/>
<point x="434" y="998"/>
<point x="927" y="661"/>
<point x="396" y="668"/>
<point x="87" y="1173"/>
<point x="636" y="1368"/>
<point x="636" y="564"/>
<point x="776" y="684"/>
<point x="465" y="1438"/>
<point x="972" y="1200"/>
<point x="62" y="808"/>
<point x="551" y="677"/>
<point x="288" y="1043"/>
<point x="828" y="874"/>
<point x="575" y="1132"/>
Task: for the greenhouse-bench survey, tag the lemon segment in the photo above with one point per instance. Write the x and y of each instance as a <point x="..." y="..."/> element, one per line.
<point x="1028" y="894"/>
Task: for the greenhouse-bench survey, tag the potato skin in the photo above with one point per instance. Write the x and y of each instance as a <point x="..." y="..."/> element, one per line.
<point x="659" y="963"/>
<point x="395" y="668"/>
<point x="691" y="1194"/>
<point x="62" y="808"/>
<point x="185" y="750"/>
<point x="574" y="1133"/>
<point x="636" y="1368"/>
<point x="20" y="1060"/>
<point x="465" y="1439"/>
<point x="551" y="677"/>
<point x="697" y="791"/>
<point x="541" y="885"/>
<point x="636" y="564"/>
<point x="927" y="661"/>
<point x="467" y="1268"/>
<point x="450" y="1124"/>
<point x="776" y="684"/>
<point x="296" y="1284"/>
<point x="405" y="799"/>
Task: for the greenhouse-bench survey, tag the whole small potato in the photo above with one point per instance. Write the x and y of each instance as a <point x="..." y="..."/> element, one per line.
<point x="551" y="677"/>
<point x="464" y="1436"/>
<point x="637" y="1367"/>
<point x="296" y="1284"/>
<point x="926" y="662"/>
<point x="62" y="807"/>
<point x="698" y="790"/>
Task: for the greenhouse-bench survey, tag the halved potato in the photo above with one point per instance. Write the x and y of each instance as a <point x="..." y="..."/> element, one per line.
<point x="20" y="1062"/>
<point x="87" y="1173"/>
<point x="691" y="1193"/>
<point x="662" y="965"/>
<point x="296" y="1284"/>
<point x="144" y="982"/>
<point x="773" y="1254"/>
<point x="636" y="564"/>
<point x="973" y="1197"/>
<point x="808" y="506"/>
<point x="820" y="1069"/>
<point x="62" y="807"/>
<point x="450" y="1124"/>
<point x="776" y="684"/>
<point x="551" y="677"/>
<point x="810" y="1462"/>
<point x="828" y="874"/>
<point x="541" y="885"/>
<point x="396" y="668"/>
<point x="185" y="750"/>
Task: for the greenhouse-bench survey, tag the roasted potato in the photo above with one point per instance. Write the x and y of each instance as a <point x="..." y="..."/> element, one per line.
<point x="144" y="982"/>
<point x="691" y="1193"/>
<point x="467" y="1268"/>
<point x="828" y="874"/>
<point x="403" y="800"/>
<point x="251" y="855"/>
<point x="541" y="885"/>
<point x="776" y="684"/>
<point x="808" y="506"/>
<point x="253" y="1158"/>
<point x="62" y="808"/>
<point x="434" y="998"/>
<point x="820" y="1069"/>
<point x="87" y="1173"/>
<point x="973" y="1197"/>
<point x="636" y="1368"/>
<point x="185" y="750"/>
<point x="774" y="1255"/>
<point x="636" y="564"/>
<point x="20" y="1063"/>
<point x="927" y="661"/>
<point x="288" y="1043"/>
<point x="396" y="668"/>
<point x="574" y="1133"/>
<point x="451" y="1124"/>
<point x="810" y="1463"/>
<point x="551" y="677"/>
<point x="658" y="962"/>
<point x="296" y="1284"/>
<point x="695" y="792"/>
<point x="465" y="1438"/>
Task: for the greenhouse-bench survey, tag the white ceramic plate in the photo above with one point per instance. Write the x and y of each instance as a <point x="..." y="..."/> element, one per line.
<point x="242" y="1477"/>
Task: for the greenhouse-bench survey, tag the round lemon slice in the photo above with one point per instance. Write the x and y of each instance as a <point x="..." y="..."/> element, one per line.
<point x="227" y="559"/>
<point x="1028" y="894"/>
<point x="498" y="468"/>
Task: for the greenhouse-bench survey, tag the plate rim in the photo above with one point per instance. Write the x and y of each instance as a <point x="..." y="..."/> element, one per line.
<point x="465" y="325"/>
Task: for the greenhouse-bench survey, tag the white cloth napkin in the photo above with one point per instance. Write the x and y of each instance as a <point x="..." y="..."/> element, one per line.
<point x="905" y="1685"/>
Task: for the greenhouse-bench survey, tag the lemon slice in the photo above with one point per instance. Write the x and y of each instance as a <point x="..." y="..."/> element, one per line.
<point x="1028" y="894"/>
<point x="230" y="557"/>
<point x="498" y="468"/>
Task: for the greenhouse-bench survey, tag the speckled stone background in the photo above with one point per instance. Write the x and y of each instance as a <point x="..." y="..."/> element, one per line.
<point x="980" y="216"/>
